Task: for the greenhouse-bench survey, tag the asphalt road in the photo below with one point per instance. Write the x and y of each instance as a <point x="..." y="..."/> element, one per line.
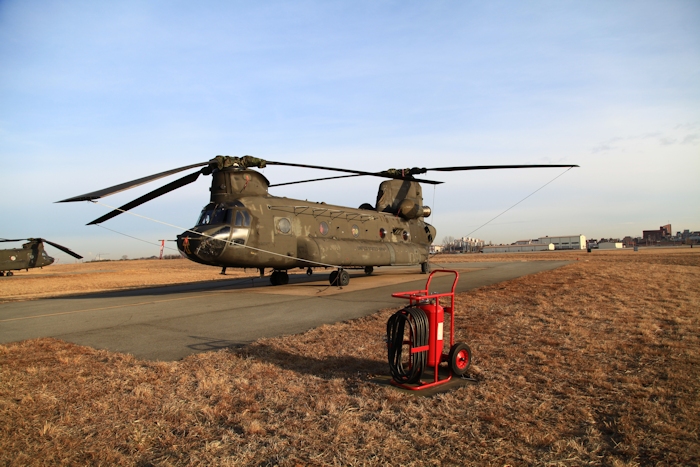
<point x="169" y="323"/>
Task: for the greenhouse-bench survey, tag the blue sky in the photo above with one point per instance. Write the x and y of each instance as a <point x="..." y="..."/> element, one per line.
<point x="97" y="93"/>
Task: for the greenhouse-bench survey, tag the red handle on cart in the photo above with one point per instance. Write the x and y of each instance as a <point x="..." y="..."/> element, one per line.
<point x="454" y="284"/>
<point x="419" y="294"/>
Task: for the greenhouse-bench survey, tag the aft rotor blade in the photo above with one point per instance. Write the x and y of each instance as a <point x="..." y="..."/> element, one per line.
<point x="489" y="167"/>
<point x="180" y="182"/>
<point x="356" y="172"/>
<point x="62" y="248"/>
<point x="15" y="240"/>
<point x="127" y="185"/>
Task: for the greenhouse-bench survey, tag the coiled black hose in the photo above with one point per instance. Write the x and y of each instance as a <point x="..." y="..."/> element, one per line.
<point x="417" y="322"/>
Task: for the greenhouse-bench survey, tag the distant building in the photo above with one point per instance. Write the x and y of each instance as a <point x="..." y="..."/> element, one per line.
<point x="469" y="245"/>
<point x="610" y="245"/>
<point x="526" y="242"/>
<point x="434" y="249"/>
<point x="657" y="235"/>
<point x="567" y="242"/>
<point x="517" y="248"/>
<point x="459" y="245"/>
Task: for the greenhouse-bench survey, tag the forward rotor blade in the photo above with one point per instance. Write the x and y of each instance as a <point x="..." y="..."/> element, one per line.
<point x="316" y="180"/>
<point x="10" y="240"/>
<point x="489" y="167"/>
<point x="306" y="166"/>
<point x="62" y="248"/>
<point x="180" y="182"/>
<point x="356" y="172"/>
<point x="127" y="185"/>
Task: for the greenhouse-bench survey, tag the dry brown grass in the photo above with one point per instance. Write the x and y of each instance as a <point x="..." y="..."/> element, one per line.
<point x="595" y="363"/>
<point x="77" y="278"/>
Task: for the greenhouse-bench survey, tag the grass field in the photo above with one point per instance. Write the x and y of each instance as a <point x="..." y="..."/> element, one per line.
<point x="595" y="363"/>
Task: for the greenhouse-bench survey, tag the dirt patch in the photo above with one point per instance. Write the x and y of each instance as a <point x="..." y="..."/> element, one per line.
<point x="594" y="363"/>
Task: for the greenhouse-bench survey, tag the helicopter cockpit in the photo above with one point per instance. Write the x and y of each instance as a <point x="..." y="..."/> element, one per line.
<point x="235" y="215"/>
<point x="221" y="225"/>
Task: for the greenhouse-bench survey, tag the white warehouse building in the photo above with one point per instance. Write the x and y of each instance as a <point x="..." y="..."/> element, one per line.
<point x="517" y="248"/>
<point x="568" y="242"/>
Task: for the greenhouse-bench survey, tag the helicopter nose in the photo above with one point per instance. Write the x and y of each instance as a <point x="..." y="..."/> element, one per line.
<point x="207" y="246"/>
<point x="188" y="243"/>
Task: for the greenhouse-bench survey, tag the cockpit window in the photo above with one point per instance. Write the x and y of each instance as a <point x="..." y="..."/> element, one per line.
<point x="214" y="215"/>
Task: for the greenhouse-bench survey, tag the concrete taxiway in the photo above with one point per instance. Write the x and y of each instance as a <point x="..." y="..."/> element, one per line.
<point x="169" y="323"/>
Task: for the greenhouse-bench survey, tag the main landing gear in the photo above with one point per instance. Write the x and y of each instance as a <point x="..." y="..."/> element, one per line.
<point x="340" y="278"/>
<point x="279" y="278"/>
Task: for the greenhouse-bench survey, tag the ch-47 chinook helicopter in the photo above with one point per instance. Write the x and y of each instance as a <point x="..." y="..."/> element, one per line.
<point x="31" y="255"/>
<point x="243" y="226"/>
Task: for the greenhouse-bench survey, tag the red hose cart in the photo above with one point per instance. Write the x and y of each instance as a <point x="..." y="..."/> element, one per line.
<point x="415" y="338"/>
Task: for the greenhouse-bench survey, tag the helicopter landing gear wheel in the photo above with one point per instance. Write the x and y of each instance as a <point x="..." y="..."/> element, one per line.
<point x="9" y="273"/>
<point x="340" y="278"/>
<point x="368" y="270"/>
<point x="279" y="278"/>
<point x="2" y="273"/>
<point x="424" y="268"/>
<point x="460" y="358"/>
<point x="309" y="271"/>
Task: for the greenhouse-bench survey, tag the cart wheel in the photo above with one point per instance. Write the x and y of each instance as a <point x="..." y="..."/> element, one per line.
<point x="460" y="358"/>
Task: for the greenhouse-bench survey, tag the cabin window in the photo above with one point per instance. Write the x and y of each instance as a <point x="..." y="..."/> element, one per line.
<point x="323" y="228"/>
<point x="382" y="232"/>
<point x="405" y="235"/>
<point x="284" y="226"/>
<point x="355" y="231"/>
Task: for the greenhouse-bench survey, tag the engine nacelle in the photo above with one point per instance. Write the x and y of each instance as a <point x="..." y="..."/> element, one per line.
<point x="409" y="209"/>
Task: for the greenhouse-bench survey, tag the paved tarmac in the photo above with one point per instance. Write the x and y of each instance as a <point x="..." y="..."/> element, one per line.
<point x="169" y="323"/>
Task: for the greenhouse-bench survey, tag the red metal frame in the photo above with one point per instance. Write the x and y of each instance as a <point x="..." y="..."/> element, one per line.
<point x="419" y="298"/>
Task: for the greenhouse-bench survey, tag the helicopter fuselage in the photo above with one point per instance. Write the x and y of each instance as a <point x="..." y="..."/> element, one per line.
<point x="244" y="226"/>
<point x="31" y="255"/>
